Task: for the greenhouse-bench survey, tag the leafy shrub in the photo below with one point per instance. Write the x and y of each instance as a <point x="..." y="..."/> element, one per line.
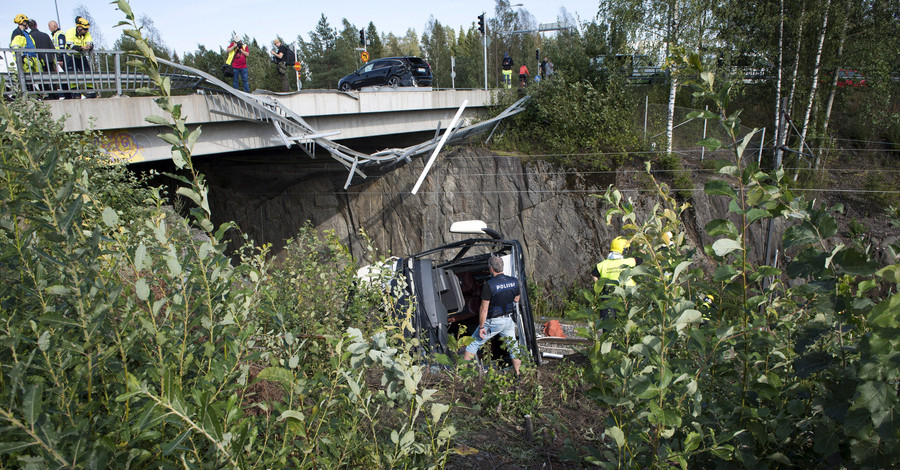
<point x="591" y="121"/>
<point x="748" y="362"/>
<point x="129" y="338"/>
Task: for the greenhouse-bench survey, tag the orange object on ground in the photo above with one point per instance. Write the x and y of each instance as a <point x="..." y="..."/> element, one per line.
<point x="553" y="328"/>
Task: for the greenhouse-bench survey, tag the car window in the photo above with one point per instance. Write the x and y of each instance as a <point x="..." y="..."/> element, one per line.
<point x="366" y="68"/>
<point x="382" y="64"/>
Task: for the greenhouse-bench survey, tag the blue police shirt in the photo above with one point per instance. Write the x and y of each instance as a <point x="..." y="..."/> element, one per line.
<point x="501" y="290"/>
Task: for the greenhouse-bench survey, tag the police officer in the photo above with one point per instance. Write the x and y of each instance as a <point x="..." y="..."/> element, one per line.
<point x="499" y="298"/>
<point x="58" y="37"/>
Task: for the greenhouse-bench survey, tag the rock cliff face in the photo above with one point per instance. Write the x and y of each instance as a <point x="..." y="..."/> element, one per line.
<point x="552" y="212"/>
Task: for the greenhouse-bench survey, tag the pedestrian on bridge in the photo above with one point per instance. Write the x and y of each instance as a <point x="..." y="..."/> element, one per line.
<point x="523" y="76"/>
<point x="237" y="57"/>
<point x="284" y="59"/>
<point x="42" y="41"/>
<point x="507" y="64"/>
<point x="59" y="42"/>
<point x="22" y="40"/>
<point x="79" y="39"/>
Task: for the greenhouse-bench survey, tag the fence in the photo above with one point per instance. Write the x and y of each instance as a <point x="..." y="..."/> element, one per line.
<point x="68" y="74"/>
<point x="687" y="132"/>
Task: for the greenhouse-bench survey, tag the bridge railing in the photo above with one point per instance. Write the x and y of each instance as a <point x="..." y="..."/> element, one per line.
<point x="68" y="74"/>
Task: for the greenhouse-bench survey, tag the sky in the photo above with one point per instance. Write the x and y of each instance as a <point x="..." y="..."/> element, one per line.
<point x="183" y="24"/>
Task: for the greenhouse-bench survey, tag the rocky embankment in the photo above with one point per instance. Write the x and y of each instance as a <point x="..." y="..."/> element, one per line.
<point x="552" y="212"/>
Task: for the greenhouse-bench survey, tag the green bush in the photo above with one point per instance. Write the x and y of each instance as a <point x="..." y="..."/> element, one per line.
<point x="567" y="119"/>
<point x="129" y="338"/>
<point x="746" y="362"/>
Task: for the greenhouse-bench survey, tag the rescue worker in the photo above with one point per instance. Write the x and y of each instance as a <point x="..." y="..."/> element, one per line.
<point x="507" y="64"/>
<point x="611" y="268"/>
<point x="22" y="40"/>
<point x="79" y="39"/>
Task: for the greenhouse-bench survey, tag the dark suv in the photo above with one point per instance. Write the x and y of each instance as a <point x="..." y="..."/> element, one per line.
<point x="393" y="71"/>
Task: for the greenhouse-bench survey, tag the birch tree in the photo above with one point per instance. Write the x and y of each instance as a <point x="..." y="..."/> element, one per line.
<point x="815" y="81"/>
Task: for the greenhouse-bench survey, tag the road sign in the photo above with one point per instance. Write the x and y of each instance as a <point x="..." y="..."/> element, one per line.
<point x="297" y="66"/>
<point x="364" y="56"/>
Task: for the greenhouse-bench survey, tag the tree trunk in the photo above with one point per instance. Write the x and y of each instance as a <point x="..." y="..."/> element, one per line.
<point x="837" y="68"/>
<point x="671" y="36"/>
<point x="779" y="135"/>
<point x="796" y="60"/>
<point x="815" y="82"/>
<point x="670" y="128"/>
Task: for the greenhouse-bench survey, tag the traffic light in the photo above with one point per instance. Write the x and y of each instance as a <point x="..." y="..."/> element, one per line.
<point x="537" y="54"/>
<point x="362" y="38"/>
<point x="481" y="23"/>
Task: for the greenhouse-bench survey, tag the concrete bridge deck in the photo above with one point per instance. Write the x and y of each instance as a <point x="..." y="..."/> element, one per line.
<point x="340" y="115"/>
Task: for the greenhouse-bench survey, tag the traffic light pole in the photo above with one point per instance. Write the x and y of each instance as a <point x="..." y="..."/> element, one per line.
<point x="484" y="43"/>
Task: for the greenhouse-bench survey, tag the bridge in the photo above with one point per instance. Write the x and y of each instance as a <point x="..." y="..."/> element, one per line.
<point x="231" y="120"/>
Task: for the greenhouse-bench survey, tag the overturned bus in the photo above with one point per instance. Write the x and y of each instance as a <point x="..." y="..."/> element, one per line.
<point x="444" y="284"/>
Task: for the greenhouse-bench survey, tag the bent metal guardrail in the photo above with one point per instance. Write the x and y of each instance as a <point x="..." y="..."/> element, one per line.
<point x="111" y="72"/>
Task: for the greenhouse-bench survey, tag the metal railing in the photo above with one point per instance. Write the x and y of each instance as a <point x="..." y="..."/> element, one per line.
<point x="66" y="73"/>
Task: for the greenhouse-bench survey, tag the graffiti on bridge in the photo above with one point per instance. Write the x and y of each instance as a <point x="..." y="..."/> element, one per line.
<point x="124" y="146"/>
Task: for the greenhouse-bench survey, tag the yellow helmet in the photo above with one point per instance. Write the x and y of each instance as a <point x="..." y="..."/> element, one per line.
<point x="619" y="244"/>
<point x="20" y="18"/>
<point x="82" y="22"/>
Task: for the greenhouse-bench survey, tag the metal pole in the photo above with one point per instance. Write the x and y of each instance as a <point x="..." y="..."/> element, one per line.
<point x="484" y="42"/>
<point x="646" y="105"/>
<point x="118" y="63"/>
<point x="20" y="66"/>
<point x="762" y="143"/>
<point x="57" y="12"/>
<point x="453" y="72"/>
<point x="295" y="70"/>
<point x="702" y="148"/>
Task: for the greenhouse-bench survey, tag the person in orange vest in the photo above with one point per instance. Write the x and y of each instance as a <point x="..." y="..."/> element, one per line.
<point x="523" y="75"/>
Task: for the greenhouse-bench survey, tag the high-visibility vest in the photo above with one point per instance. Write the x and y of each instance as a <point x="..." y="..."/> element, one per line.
<point x="23" y="40"/>
<point x="59" y="39"/>
<point x="610" y="269"/>
<point x="72" y="39"/>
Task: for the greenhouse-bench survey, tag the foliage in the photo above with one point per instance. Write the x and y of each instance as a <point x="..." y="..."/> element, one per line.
<point x="593" y="120"/>
<point x="745" y="362"/>
<point x="328" y="55"/>
<point x="129" y="338"/>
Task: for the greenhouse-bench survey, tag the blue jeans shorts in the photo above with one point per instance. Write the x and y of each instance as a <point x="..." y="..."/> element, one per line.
<point x="504" y="326"/>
